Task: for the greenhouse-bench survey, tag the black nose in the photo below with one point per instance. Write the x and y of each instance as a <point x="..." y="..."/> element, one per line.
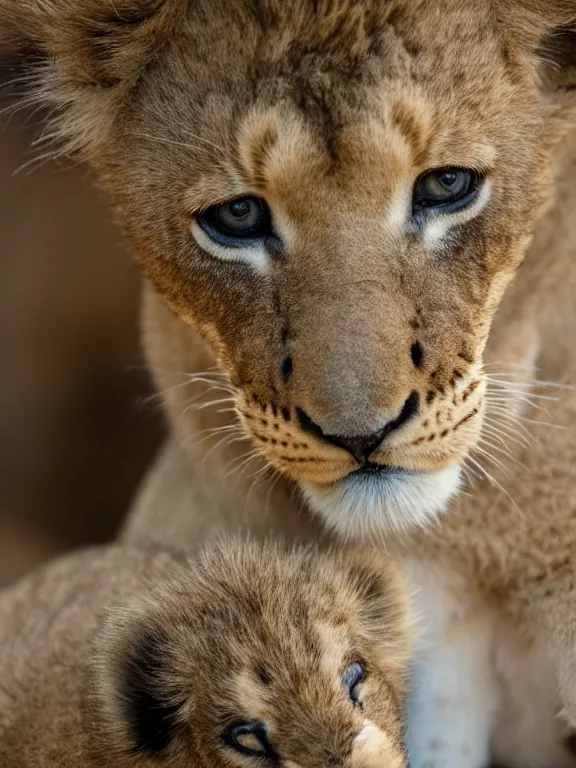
<point x="362" y="446"/>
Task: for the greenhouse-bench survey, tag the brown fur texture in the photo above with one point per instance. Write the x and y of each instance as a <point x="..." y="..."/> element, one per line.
<point x="331" y="111"/>
<point x="118" y="657"/>
<point x="331" y="125"/>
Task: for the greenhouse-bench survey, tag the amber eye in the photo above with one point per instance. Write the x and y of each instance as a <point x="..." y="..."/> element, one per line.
<point x="448" y="189"/>
<point x="351" y="679"/>
<point x="236" y="221"/>
<point x="250" y="739"/>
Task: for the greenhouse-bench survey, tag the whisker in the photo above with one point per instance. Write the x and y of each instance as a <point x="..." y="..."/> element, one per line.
<point x="160" y="394"/>
<point x="184" y="144"/>
<point x="241" y="461"/>
<point x="524" y="393"/>
<point x="510" y="402"/>
<point x="516" y="419"/>
<point x="542" y="423"/>
<point x="506" y="408"/>
<point x="478" y="448"/>
<point x="205" y="141"/>
<point x="203" y="406"/>
<point x="508" y="379"/>
<point x="231" y="430"/>
<point x="224" y="440"/>
<point x="468" y="476"/>
<point x="517" y="366"/>
<point x="504" y="452"/>
<point x="271" y="489"/>
<point x="492" y="480"/>
<point x="257" y="479"/>
<point x="192" y="404"/>
<point x="213" y="372"/>
<point x="521" y="436"/>
<point x="499" y="434"/>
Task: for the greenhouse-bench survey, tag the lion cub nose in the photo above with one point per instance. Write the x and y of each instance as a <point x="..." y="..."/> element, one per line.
<point x="362" y="446"/>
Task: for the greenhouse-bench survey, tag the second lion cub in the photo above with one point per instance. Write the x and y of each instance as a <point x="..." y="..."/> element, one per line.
<point x="247" y="656"/>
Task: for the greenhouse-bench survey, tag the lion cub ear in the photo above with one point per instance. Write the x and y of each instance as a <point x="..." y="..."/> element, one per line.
<point x="95" y="42"/>
<point x="548" y="29"/>
<point x="384" y="616"/>
<point x="135" y="701"/>
<point x="82" y="58"/>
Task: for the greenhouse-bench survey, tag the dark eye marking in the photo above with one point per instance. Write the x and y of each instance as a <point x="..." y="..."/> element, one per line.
<point x="250" y="739"/>
<point x="351" y="679"/>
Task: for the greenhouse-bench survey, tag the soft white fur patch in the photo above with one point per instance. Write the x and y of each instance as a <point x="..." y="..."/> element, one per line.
<point x="438" y="226"/>
<point x="480" y="692"/>
<point x="253" y="254"/>
<point x="369" y="732"/>
<point x="454" y="692"/>
<point x="393" y="502"/>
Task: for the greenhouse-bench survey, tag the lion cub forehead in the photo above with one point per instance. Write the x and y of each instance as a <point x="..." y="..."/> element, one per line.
<point x="285" y="156"/>
<point x="368" y="171"/>
<point x="352" y="122"/>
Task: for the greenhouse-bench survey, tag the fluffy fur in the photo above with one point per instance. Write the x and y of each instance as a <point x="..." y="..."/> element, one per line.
<point x="117" y="657"/>
<point x="331" y="111"/>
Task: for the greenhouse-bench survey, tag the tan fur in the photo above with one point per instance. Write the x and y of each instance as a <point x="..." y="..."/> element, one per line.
<point x="344" y="147"/>
<point x="244" y="633"/>
<point x="331" y="111"/>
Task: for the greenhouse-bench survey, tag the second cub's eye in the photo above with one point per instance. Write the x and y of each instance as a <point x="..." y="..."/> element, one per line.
<point x="352" y="677"/>
<point x="447" y="189"/>
<point x="236" y="221"/>
<point x="250" y="739"/>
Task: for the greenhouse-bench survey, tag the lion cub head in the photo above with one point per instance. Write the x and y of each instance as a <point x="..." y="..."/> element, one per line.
<point x="255" y="657"/>
<point x="335" y="194"/>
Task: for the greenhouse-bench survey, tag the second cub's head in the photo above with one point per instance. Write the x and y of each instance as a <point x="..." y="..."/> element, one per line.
<point x="257" y="658"/>
<point x="336" y="194"/>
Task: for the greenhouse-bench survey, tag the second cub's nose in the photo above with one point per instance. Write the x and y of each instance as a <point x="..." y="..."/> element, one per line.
<point x="362" y="446"/>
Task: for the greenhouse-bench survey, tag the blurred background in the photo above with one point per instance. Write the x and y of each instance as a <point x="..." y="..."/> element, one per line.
<point x="77" y="430"/>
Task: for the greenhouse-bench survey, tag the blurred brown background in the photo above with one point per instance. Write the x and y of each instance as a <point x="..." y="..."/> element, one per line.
<point x="76" y="431"/>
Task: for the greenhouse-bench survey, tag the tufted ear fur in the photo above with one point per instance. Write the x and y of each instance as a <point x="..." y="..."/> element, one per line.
<point x="548" y="29"/>
<point x="135" y="704"/>
<point x="560" y="49"/>
<point x="384" y="616"/>
<point x="84" y="57"/>
<point x="96" y="42"/>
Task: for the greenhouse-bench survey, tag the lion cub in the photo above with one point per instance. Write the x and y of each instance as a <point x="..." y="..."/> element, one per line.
<point x="246" y="656"/>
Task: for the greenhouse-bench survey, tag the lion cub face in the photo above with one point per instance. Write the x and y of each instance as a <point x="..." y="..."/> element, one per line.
<point x="336" y="195"/>
<point x="259" y="658"/>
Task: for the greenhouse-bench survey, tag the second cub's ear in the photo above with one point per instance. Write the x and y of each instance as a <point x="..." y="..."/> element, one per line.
<point x="95" y="42"/>
<point x="135" y="701"/>
<point x="385" y="616"/>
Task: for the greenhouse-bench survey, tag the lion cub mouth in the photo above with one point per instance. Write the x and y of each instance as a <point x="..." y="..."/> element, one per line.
<point x="370" y="468"/>
<point x="402" y="480"/>
<point x="376" y="500"/>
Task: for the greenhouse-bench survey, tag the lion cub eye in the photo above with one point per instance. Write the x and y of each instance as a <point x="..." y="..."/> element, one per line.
<point x="234" y="222"/>
<point x="351" y="679"/>
<point x="250" y="739"/>
<point x="446" y="189"/>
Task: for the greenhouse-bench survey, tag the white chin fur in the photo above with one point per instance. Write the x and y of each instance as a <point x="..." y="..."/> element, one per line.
<point x="389" y="503"/>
